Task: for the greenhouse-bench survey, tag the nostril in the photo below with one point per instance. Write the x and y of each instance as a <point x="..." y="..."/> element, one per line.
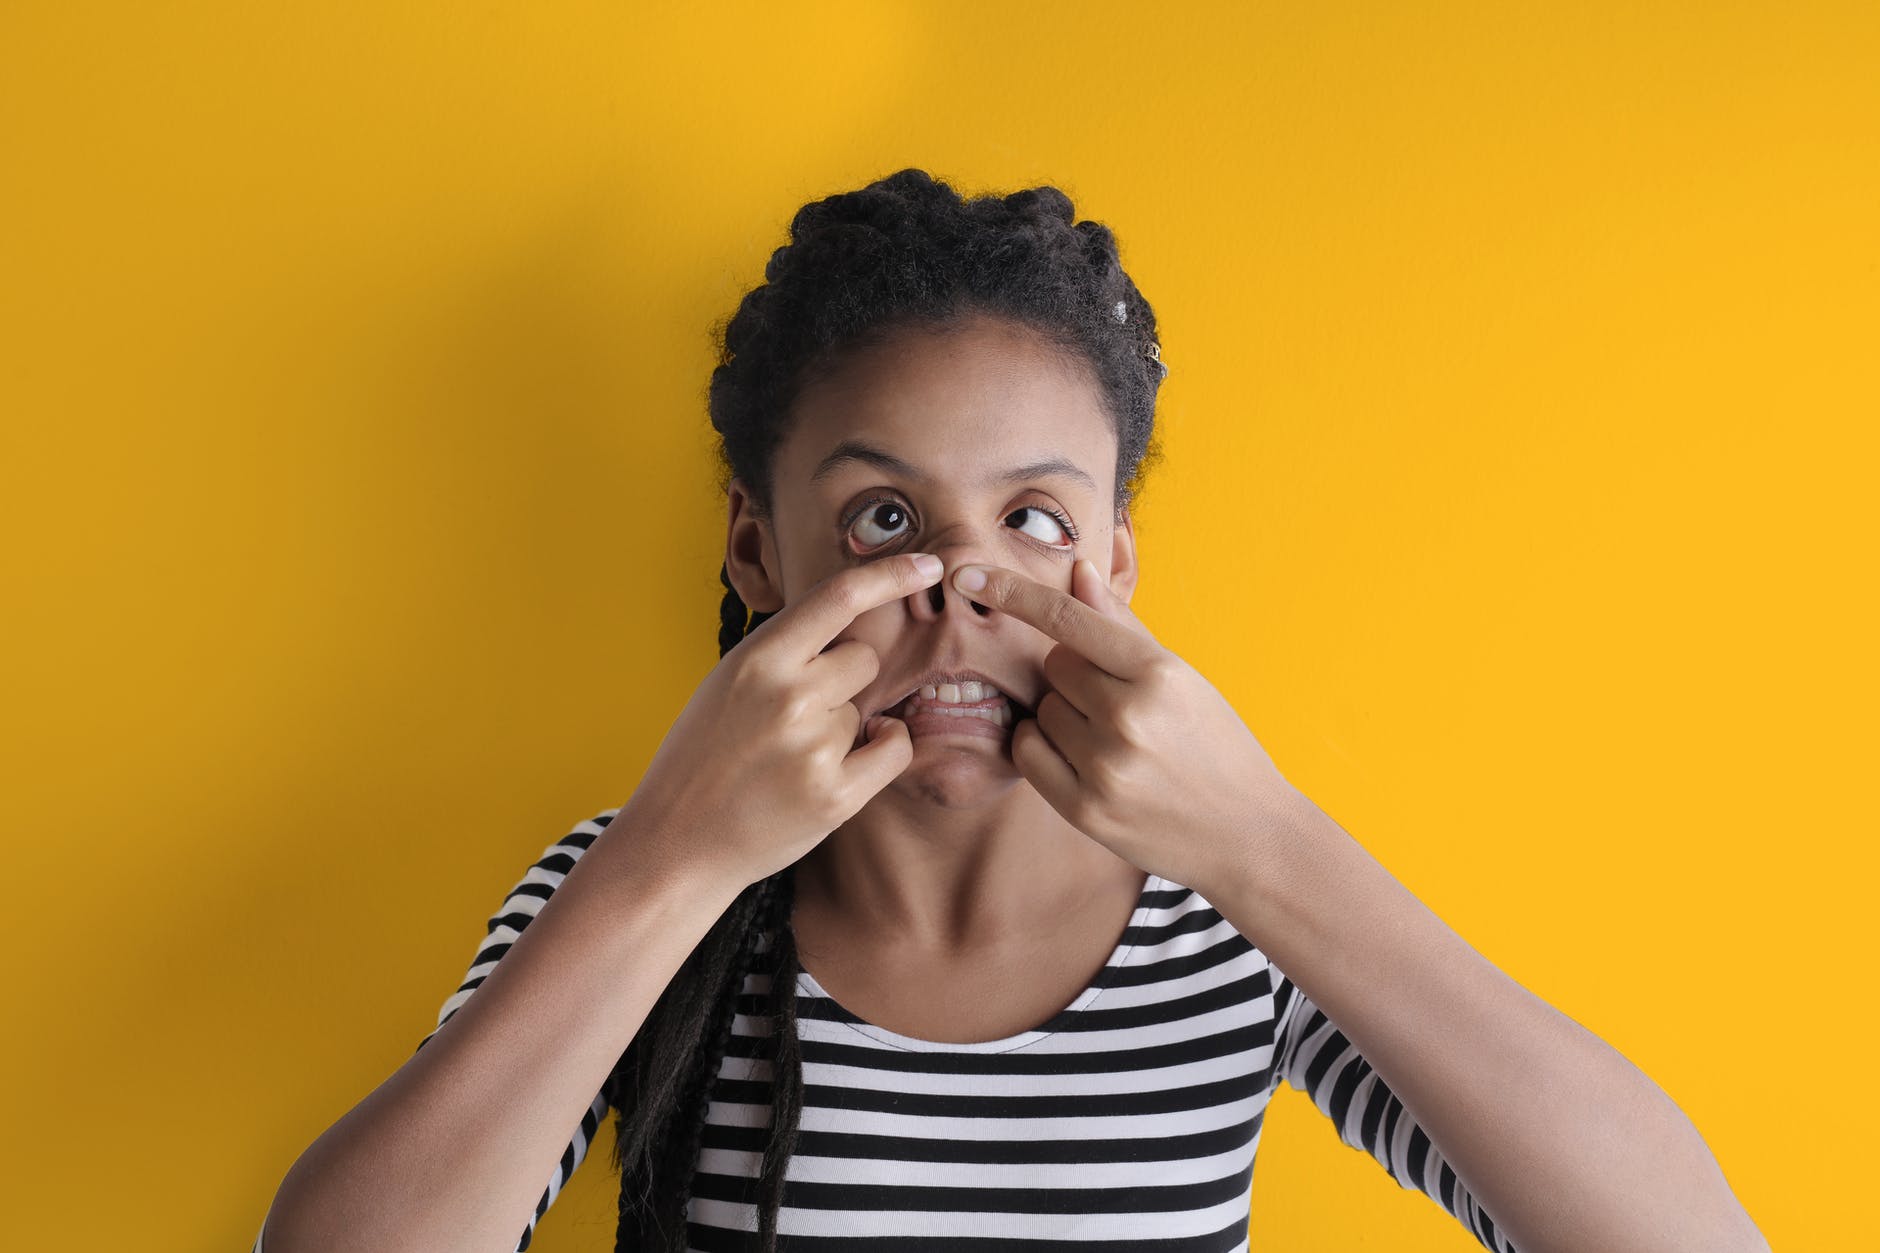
<point x="936" y="598"/>
<point x="978" y="608"/>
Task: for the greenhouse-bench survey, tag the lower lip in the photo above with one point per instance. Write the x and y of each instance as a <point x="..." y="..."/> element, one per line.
<point x="924" y="721"/>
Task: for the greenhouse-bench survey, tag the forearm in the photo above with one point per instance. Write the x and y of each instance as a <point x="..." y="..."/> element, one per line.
<point x="1564" y="1142"/>
<point x="453" y="1150"/>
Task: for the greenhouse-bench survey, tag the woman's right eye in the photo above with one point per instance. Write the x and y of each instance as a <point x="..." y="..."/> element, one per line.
<point x="879" y="522"/>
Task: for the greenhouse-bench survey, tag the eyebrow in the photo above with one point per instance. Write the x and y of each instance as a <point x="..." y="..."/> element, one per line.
<point x="857" y="450"/>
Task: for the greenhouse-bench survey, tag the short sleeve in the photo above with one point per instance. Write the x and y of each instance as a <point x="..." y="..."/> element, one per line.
<point x="1314" y="1057"/>
<point x="518" y="909"/>
<point x="523" y="902"/>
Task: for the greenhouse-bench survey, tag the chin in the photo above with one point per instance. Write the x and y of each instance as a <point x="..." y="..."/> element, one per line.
<point x="958" y="772"/>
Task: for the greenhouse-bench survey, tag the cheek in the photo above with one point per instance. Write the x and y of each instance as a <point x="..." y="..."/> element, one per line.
<point x="879" y="628"/>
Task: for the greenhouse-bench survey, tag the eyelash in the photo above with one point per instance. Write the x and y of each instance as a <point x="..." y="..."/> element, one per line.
<point x="848" y="520"/>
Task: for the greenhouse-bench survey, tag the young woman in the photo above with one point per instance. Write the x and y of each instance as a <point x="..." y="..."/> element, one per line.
<point x="954" y="911"/>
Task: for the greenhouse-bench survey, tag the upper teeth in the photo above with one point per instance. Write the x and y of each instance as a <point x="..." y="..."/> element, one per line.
<point x="967" y="693"/>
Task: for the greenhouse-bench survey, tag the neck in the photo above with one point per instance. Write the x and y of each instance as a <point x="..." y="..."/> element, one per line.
<point x="922" y="876"/>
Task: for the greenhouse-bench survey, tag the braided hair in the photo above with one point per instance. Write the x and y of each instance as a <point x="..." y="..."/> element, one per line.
<point x="906" y="251"/>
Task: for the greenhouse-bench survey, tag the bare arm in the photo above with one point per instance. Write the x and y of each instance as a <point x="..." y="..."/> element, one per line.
<point x="767" y="758"/>
<point x="1561" y="1139"/>
<point x="450" y="1152"/>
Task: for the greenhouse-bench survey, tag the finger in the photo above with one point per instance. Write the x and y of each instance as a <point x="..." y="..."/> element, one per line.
<point x="850" y="719"/>
<point x="874" y="765"/>
<point x="842" y="670"/>
<point x="1089" y="586"/>
<point x="1109" y="643"/>
<point x="1048" y="773"/>
<point x="805" y="627"/>
<point x="1072" y="734"/>
<point x="1093" y="691"/>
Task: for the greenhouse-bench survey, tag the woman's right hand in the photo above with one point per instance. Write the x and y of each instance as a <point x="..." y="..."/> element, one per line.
<point x="761" y="764"/>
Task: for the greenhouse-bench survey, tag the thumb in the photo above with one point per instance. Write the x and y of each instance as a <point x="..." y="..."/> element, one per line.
<point x="889" y="748"/>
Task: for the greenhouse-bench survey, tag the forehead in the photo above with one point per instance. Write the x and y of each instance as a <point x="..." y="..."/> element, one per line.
<point x="964" y="404"/>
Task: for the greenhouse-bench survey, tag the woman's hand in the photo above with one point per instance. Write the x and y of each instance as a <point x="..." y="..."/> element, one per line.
<point x="757" y="769"/>
<point x="1131" y="744"/>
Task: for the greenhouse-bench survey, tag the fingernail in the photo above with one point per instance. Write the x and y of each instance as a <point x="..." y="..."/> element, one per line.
<point x="928" y="564"/>
<point x="969" y="578"/>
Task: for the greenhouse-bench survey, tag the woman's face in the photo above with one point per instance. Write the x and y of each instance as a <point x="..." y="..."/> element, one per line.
<point x="982" y="445"/>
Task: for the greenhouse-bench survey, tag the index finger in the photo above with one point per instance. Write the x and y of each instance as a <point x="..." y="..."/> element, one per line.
<point x="805" y="628"/>
<point x="1103" y="641"/>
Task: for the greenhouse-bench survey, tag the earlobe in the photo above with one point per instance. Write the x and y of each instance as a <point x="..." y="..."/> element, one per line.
<point x="750" y="552"/>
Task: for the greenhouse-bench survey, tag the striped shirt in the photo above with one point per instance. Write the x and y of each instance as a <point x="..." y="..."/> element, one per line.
<point x="1130" y="1120"/>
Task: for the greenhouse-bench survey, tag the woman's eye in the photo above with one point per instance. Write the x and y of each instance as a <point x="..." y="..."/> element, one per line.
<point x="1052" y="532"/>
<point x="879" y="523"/>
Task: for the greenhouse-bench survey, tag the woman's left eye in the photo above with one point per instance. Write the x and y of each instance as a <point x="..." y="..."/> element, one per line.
<point x="1056" y="531"/>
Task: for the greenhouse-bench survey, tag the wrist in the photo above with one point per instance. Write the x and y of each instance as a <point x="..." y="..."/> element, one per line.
<point x="663" y="859"/>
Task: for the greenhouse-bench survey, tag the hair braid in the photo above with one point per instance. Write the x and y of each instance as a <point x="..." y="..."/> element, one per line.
<point x="786" y="1066"/>
<point x="655" y="1078"/>
<point x="732" y="626"/>
<point x="685" y="1147"/>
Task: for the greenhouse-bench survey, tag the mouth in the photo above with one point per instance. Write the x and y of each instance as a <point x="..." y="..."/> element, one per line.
<point x="962" y="702"/>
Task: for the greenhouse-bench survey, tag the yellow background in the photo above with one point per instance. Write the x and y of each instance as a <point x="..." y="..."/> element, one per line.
<point x="362" y="537"/>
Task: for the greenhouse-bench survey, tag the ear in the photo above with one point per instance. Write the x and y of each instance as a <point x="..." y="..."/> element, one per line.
<point x="751" y="553"/>
<point x="1123" y="569"/>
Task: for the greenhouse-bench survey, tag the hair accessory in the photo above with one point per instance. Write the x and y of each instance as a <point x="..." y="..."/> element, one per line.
<point x="1121" y="312"/>
<point x="1154" y="353"/>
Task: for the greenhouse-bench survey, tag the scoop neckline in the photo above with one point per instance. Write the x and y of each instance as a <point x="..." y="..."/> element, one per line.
<point x="1119" y="955"/>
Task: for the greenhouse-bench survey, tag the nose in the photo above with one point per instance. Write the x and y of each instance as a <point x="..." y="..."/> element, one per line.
<point x="935" y="603"/>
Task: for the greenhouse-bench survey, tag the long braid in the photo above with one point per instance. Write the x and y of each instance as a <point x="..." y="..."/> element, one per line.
<point x="658" y="1156"/>
<point x="786" y="1084"/>
<point x="731" y="616"/>
<point x="661" y="1066"/>
<point x="705" y="1069"/>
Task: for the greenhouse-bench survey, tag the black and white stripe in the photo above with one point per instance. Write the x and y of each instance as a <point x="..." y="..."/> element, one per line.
<point x="1131" y="1120"/>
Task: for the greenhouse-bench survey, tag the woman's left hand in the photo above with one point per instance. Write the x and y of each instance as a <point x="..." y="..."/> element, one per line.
<point x="1130" y="743"/>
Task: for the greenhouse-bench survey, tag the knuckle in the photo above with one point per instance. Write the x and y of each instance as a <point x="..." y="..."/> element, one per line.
<point x="823" y="762"/>
<point x="749" y="679"/>
<point x="1161" y="673"/>
<point x="907" y="574"/>
<point x="840" y="591"/>
<point x="867" y="660"/>
<point x="1060" y="616"/>
<point x="1115" y="774"/>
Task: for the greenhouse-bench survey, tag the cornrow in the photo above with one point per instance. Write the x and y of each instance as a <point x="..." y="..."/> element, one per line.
<point x="905" y="251"/>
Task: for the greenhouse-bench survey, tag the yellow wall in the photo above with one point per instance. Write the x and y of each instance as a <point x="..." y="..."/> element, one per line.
<point x="362" y="533"/>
